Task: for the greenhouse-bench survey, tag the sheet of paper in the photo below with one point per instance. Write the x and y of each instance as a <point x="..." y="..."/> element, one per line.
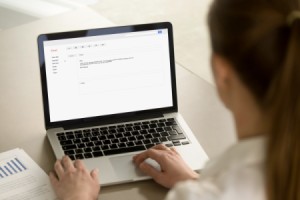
<point x="22" y="179"/>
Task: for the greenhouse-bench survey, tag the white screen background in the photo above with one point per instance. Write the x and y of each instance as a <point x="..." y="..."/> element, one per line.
<point x="111" y="74"/>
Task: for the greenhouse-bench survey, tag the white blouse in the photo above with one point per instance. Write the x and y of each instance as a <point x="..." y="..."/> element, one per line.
<point x="235" y="175"/>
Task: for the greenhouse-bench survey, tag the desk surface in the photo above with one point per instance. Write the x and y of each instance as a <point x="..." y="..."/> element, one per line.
<point x="21" y="117"/>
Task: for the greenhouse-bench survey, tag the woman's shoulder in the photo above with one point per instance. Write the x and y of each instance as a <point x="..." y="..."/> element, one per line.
<point x="237" y="174"/>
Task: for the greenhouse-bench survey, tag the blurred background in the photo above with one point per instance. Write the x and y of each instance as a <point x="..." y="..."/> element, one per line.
<point x="187" y="16"/>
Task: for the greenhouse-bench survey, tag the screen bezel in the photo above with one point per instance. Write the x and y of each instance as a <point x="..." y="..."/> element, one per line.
<point x="104" y="31"/>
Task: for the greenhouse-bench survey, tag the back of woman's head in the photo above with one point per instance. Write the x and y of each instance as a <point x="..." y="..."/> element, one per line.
<point x="261" y="39"/>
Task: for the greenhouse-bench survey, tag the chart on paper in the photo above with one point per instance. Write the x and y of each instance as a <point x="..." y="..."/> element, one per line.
<point x="11" y="167"/>
<point x="22" y="179"/>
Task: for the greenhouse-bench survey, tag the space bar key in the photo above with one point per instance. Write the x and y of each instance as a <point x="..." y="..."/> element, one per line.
<point x="124" y="150"/>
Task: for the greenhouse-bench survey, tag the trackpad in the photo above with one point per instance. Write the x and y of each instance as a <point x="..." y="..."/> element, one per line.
<point x="125" y="168"/>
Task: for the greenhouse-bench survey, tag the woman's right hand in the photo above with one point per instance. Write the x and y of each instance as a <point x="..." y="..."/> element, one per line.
<point x="173" y="167"/>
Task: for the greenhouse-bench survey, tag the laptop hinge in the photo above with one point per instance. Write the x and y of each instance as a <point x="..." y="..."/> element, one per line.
<point x="113" y="120"/>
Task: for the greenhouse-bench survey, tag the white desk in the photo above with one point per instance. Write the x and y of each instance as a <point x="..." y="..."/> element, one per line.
<point x="21" y="110"/>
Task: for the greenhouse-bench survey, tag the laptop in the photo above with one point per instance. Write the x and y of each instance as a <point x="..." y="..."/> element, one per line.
<point x="110" y="93"/>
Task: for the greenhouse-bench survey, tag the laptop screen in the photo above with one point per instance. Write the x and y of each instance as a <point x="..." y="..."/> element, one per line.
<point x="108" y="74"/>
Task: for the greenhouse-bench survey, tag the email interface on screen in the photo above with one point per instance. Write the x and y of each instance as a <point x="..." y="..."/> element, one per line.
<point x="108" y="74"/>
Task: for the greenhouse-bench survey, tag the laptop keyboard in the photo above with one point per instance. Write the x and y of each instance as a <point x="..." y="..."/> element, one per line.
<point x="123" y="138"/>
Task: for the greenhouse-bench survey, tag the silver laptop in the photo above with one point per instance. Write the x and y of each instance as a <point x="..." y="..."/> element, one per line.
<point x="110" y="93"/>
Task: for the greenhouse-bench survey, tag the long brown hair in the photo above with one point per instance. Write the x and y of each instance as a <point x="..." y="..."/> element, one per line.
<point x="262" y="42"/>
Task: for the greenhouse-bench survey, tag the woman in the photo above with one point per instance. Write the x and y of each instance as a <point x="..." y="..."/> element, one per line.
<point x="256" y="65"/>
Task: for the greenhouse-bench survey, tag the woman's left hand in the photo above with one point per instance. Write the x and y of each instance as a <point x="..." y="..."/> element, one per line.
<point x="74" y="181"/>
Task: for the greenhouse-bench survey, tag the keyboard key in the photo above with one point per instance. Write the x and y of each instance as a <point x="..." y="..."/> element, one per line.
<point x="70" y="137"/>
<point x="106" y="142"/>
<point x="113" y="146"/>
<point x="121" y="126"/>
<point x="79" y="156"/>
<point x="153" y="126"/>
<point x="115" y="141"/>
<point x="137" y="123"/>
<point x="78" y="151"/>
<point x="69" y="133"/>
<point x="124" y="150"/>
<point x="176" y="143"/>
<point x="148" y="136"/>
<point x="185" y="143"/>
<point x="81" y="145"/>
<point x="78" y="131"/>
<point x="155" y="140"/>
<point x="145" y="126"/>
<point x="143" y="131"/>
<point x="148" y="146"/>
<point x="172" y="132"/>
<point x="153" y="121"/>
<point x="170" y="119"/>
<point x="162" y="120"/>
<point x="96" y="148"/>
<point x="164" y="134"/>
<point x="102" y="137"/>
<point x="112" y="127"/>
<point x="88" y="149"/>
<point x="128" y="125"/>
<point x="87" y="134"/>
<point x="178" y="129"/>
<point x="122" y="145"/>
<point x="103" y="128"/>
<point x="168" y="128"/>
<point x="89" y="144"/>
<point x="121" y="130"/>
<point x="79" y="135"/>
<point x="96" y="133"/>
<point x="169" y="145"/>
<point x="124" y="139"/>
<point x="130" y="144"/>
<point x="104" y="147"/>
<point x="127" y="134"/>
<point x="88" y="155"/>
<point x="152" y="130"/>
<point x="112" y="131"/>
<point x="98" y="143"/>
<point x="177" y="137"/>
<point x="137" y="128"/>
<point x="66" y="142"/>
<point x="111" y="136"/>
<point x="69" y="147"/>
<point x="60" y="134"/>
<point x="135" y="133"/>
<point x="94" y="138"/>
<point x="146" y="141"/>
<point x="138" y="142"/>
<point x="97" y="154"/>
<point x="132" y="138"/>
<point x="163" y="139"/>
<point x="146" y="122"/>
<point x="156" y="135"/>
<point x="85" y="139"/>
<point x="95" y="129"/>
<point x="77" y="141"/>
<point x="87" y="130"/>
<point x="159" y="130"/>
<point x="129" y="129"/>
<point x="119" y="135"/>
<point x="105" y="132"/>
<point x="69" y="152"/>
<point x="140" y="137"/>
<point x="61" y="138"/>
<point x="161" y="125"/>
<point x="72" y="157"/>
<point x="171" y="123"/>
